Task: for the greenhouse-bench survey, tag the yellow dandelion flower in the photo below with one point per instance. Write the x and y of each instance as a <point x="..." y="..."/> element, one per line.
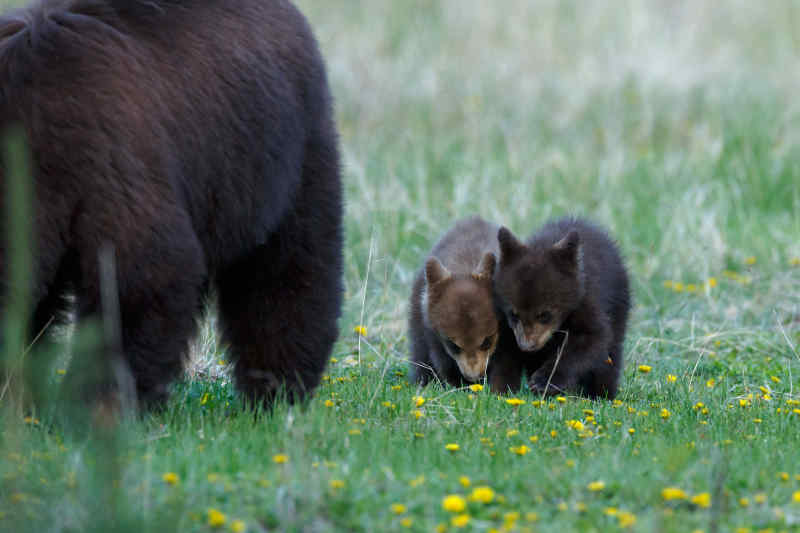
<point x="515" y="401"/>
<point x="750" y="260"/>
<point x="561" y="399"/>
<point x="215" y="518"/>
<point x="553" y="433"/>
<point x="397" y="387"/>
<point x="794" y="261"/>
<point x="610" y="511"/>
<point x="454" y="503"/>
<point x="626" y="519"/>
<point x="533" y="438"/>
<point x="760" y="498"/>
<point x="744" y="502"/>
<point x="519" y="450"/>
<point x="419" y="401"/>
<point x="531" y="516"/>
<point x="712" y="282"/>
<point x="280" y="458"/>
<point x="702" y="500"/>
<point x="441" y="528"/>
<point x="570" y="463"/>
<point x="562" y="506"/>
<point x="577" y="425"/>
<point x="398" y="508"/>
<point x="673" y="493"/>
<point x="677" y="286"/>
<point x="418" y="414"/>
<point x="354" y="432"/>
<point x="511" y="517"/>
<point x="238" y="526"/>
<point x="482" y="494"/>
<point x="336" y="484"/>
<point x="784" y="476"/>
<point x="460" y="520"/>
<point x="204" y="399"/>
<point x="419" y="435"/>
<point x="665" y="414"/>
<point x="796" y="496"/>
<point x="329" y="403"/>
<point x="595" y="486"/>
<point x="452" y="447"/>
<point x="757" y="420"/>
<point x="711" y="382"/>
<point x="61" y="371"/>
<point x="361" y="330"/>
<point x="171" y="478"/>
<point x="631" y="431"/>
<point x="477" y="387"/>
<point x="672" y="378"/>
<point x="691" y="287"/>
<point x="406" y="522"/>
<point x="512" y="432"/>
<point x="644" y="369"/>
<point x="465" y="481"/>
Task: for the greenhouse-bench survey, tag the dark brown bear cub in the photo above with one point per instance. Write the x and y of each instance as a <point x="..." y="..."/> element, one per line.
<point x="565" y="291"/>
<point x="194" y="139"/>
<point x="452" y="321"/>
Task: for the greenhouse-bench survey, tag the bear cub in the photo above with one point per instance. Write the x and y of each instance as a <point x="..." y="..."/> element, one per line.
<point x="453" y="326"/>
<point x="565" y="297"/>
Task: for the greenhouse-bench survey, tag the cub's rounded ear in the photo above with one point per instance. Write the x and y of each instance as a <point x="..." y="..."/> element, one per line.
<point x="568" y="251"/>
<point x="485" y="269"/>
<point x="435" y="271"/>
<point x="509" y="245"/>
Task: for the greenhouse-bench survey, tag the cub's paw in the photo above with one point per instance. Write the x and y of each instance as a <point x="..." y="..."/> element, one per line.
<point x="538" y="384"/>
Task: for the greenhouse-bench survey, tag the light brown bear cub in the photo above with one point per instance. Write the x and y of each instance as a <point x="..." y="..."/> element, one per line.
<point x="452" y="322"/>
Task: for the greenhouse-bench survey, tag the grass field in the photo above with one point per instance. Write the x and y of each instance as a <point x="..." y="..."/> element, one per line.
<point x="677" y="125"/>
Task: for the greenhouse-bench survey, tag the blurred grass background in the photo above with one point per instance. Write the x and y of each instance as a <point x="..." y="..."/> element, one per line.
<point x="675" y="124"/>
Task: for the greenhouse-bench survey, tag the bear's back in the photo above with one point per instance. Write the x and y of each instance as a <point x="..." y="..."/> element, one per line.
<point x="208" y="105"/>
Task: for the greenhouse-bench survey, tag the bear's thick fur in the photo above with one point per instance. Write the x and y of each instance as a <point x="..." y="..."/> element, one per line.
<point x="196" y="138"/>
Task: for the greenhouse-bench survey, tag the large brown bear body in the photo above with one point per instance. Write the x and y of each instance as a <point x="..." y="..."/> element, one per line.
<point x="195" y="138"/>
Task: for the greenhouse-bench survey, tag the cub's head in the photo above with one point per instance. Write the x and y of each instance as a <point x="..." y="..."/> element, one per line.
<point x="537" y="286"/>
<point x="460" y="310"/>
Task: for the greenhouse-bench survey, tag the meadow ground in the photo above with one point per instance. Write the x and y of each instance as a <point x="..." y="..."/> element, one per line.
<point x="676" y="125"/>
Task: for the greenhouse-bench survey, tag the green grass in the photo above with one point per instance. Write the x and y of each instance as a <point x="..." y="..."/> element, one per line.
<point x="675" y="126"/>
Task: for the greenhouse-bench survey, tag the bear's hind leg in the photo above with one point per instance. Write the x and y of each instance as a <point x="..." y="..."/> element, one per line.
<point x="279" y="305"/>
<point x="160" y="288"/>
<point x="279" y="316"/>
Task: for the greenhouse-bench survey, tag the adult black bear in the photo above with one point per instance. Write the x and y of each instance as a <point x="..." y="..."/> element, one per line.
<point x="196" y="138"/>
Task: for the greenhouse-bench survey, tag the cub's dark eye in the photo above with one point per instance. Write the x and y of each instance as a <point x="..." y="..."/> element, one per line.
<point x="544" y="317"/>
<point x="487" y="343"/>
<point x="451" y="346"/>
<point x="513" y="317"/>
